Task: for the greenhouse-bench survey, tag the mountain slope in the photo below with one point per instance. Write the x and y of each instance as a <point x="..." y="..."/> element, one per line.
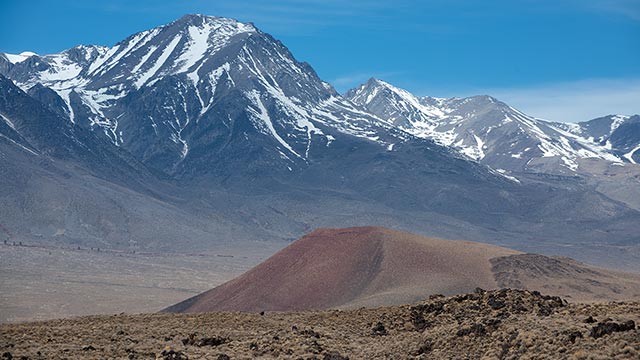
<point x="48" y="134"/>
<point x="375" y="266"/>
<point x="63" y="185"/>
<point x="56" y="203"/>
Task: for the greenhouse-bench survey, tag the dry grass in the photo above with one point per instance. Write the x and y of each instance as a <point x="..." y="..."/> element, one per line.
<point x="501" y="324"/>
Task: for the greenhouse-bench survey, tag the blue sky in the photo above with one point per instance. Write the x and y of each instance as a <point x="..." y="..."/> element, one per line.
<point x="565" y="60"/>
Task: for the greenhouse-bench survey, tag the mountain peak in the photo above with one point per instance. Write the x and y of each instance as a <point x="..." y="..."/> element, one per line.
<point x="376" y="81"/>
<point x="191" y="17"/>
<point x="201" y="19"/>
<point x="401" y="107"/>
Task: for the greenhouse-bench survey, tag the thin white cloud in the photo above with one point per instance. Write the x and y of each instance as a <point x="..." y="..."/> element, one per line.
<point x="349" y="81"/>
<point x="575" y="101"/>
<point x="626" y="8"/>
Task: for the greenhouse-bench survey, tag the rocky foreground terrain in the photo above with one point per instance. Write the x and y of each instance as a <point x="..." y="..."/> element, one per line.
<point x="499" y="324"/>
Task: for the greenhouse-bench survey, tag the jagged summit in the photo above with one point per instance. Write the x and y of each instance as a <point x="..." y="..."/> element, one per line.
<point x="199" y="19"/>
<point x="197" y="60"/>
<point x="178" y="47"/>
<point x="396" y="105"/>
<point x="619" y="133"/>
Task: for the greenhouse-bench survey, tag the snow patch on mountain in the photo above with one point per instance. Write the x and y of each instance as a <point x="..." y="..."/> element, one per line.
<point x="65" y="95"/>
<point x="213" y="78"/>
<point x="14" y="59"/>
<point x="166" y="52"/>
<point x="262" y="114"/>
<point x="8" y="122"/>
<point x="196" y="48"/>
<point x="504" y="173"/>
<point x="61" y="69"/>
<point x="143" y="61"/>
<point x="629" y="155"/>
<point x="617" y="120"/>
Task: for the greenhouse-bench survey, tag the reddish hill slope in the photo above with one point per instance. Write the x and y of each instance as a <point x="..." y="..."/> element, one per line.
<point x="372" y="266"/>
<point x="368" y="266"/>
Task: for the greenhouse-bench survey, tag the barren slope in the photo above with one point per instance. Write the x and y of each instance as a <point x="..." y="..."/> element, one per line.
<point x="373" y="266"/>
<point x="363" y="266"/>
<point x="565" y="277"/>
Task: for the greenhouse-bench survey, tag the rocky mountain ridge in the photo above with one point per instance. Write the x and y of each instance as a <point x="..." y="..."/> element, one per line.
<point x="494" y="133"/>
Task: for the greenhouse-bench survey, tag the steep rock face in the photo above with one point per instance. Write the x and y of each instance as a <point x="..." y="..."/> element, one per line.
<point x="488" y="130"/>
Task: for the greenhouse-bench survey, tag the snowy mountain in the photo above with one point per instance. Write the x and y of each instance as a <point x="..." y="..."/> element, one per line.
<point x="212" y="103"/>
<point x="159" y="94"/>
<point x="213" y="124"/>
<point x="488" y="130"/>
